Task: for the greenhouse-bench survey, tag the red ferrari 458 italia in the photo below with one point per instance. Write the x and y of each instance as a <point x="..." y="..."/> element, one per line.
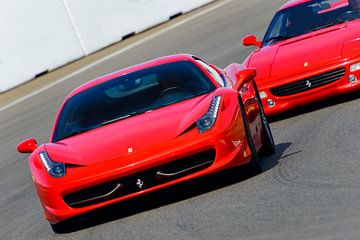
<point x="311" y="51"/>
<point x="144" y="128"/>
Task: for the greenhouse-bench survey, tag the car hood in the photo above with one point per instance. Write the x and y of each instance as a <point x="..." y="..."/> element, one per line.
<point x="307" y="52"/>
<point x="130" y="137"/>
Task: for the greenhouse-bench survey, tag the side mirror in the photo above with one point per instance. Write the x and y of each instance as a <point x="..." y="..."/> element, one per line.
<point x="244" y="76"/>
<point x="27" y="146"/>
<point x="251" y="40"/>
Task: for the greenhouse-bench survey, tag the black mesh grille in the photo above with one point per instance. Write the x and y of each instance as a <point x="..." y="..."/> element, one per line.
<point x="149" y="178"/>
<point x="309" y="83"/>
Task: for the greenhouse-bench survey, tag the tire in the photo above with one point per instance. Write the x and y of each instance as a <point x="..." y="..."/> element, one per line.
<point x="255" y="163"/>
<point x="268" y="147"/>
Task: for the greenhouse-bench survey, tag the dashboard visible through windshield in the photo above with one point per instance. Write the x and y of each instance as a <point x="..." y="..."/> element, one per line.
<point x="308" y="17"/>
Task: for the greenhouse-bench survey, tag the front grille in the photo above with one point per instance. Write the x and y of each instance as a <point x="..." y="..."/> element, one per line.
<point x="141" y="180"/>
<point x="308" y="83"/>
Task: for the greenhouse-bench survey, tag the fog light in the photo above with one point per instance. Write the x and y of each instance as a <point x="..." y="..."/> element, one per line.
<point x="352" y="78"/>
<point x="270" y="102"/>
<point x="355" y="67"/>
<point x="263" y="95"/>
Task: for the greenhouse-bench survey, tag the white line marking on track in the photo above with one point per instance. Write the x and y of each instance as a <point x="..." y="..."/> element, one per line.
<point x="120" y="51"/>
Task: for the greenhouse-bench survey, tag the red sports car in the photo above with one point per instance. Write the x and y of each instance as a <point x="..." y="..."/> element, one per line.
<point x="311" y="51"/>
<point x="144" y="128"/>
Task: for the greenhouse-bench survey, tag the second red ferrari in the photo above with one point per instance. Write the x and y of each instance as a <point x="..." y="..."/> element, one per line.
<point x="310" y="52"/>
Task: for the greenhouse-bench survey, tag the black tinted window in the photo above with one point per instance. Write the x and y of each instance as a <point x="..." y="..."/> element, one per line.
<point x="129" y="95"/>
<point x="308" y="17"/>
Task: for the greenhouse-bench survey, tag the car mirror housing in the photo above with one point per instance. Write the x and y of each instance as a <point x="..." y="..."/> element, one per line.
<point x="27" y="146"/>
<point x="244" y="76"/>
<point x="251" y="40"/>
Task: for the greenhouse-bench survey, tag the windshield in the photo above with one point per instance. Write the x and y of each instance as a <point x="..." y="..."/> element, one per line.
<point x="129" y="95"/>
<point x="309" y="17"/>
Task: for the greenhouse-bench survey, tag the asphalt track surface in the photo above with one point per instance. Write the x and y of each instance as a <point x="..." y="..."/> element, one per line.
<point x="310" y="189"/>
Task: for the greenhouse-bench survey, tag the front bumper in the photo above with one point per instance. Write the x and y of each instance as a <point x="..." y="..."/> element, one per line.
<point x="278" y="104"/>
<point x="230" y="147"/>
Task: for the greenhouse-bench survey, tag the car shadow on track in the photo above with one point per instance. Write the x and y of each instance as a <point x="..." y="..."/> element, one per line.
<point x="171" y="195"/>
<point x="316" y="106"/>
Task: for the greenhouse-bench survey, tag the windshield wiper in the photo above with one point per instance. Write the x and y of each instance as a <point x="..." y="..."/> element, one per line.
<point x="278" y="38"/>
<point x="328" y="25"/>
<point x="79" y="131"/>
<point x="124" y="117"/>
<point x="151" y="108"/>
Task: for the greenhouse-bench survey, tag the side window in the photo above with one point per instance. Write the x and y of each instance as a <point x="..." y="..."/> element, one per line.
<point x="218" y="78"/>
<point x="279" y="27"/>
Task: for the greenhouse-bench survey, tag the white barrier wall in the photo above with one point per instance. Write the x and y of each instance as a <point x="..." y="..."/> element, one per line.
<point x="120" y="18"/>
<point x="35" y="36"/>
<point x="41" y="35"/>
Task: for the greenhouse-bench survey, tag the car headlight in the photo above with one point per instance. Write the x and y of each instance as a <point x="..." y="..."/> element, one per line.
<point x="207" y="121"/>
<point x="355" y="67"/>
<point x="55" y="169"/>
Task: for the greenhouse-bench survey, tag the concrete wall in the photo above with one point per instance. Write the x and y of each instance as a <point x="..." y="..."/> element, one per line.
<point x="41" y="35"/>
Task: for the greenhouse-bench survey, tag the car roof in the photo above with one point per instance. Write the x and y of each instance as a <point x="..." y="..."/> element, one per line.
<point x="293" y="3"/>
<point x="148" y="64"/>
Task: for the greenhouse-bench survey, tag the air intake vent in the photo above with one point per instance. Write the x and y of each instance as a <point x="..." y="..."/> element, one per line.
<point x="140" y="181"/>
<point x="308" y="83"/>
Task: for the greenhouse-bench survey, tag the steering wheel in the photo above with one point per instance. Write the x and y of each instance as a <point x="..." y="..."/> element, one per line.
<point x="170" y="89"/>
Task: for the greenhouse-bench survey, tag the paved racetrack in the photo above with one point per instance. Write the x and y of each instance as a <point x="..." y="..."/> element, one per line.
<point x="310" y="189"/>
